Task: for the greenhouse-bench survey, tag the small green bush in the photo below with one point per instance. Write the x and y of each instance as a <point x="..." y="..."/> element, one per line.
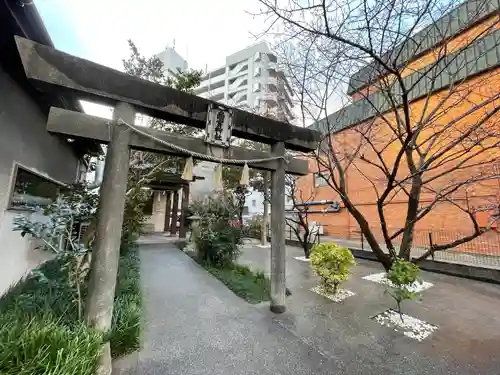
<point x="402" y="275"/>
<point x="332" y="263"/>
<point x="43" y="345"/>
<point x="218" y="234"/>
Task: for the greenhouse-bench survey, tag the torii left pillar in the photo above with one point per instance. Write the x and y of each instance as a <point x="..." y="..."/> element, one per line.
<point x="106" y="251"/>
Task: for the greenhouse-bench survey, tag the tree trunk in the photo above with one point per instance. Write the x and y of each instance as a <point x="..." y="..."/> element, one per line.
<point x="412" y="210"/>
<point x="383" y="258"/>
<point x="305" y="243"/>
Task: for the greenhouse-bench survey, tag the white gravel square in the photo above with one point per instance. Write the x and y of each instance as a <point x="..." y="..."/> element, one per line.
<point x="381" y="278"/>
<point x="341" y="294"/>
<point x="411" y="327"/>
<point x="303" y="259"/>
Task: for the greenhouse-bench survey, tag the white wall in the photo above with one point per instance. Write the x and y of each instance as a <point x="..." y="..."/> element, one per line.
<point x="24" y="140"/>
<point x="255" y="203"/>
<point x="18" y="254"/>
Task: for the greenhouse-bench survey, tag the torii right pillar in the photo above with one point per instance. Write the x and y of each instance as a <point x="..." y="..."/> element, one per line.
<point x="278" y="250"/>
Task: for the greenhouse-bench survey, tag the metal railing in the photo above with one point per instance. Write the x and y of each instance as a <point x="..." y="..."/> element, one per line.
<point x="481" y="251"/>
<point x="292" y="236"/>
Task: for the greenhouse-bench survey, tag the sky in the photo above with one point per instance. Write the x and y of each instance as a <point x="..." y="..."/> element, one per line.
<point x="204" y="31"/>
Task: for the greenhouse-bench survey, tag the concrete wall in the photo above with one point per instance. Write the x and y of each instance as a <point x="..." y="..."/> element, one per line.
<point x="23" y="139"/>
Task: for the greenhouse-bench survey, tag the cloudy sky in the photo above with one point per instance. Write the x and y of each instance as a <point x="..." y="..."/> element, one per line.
<point x="205" y="31"/>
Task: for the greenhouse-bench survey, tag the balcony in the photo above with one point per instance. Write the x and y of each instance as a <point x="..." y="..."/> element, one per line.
<point x="237" y="84"/>
<point x="238" y="69"/>
<point x="216" y="91"/>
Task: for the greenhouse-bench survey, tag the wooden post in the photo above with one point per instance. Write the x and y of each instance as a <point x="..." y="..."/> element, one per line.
<point x="175" y="208"/>
<point x="168" y="211"/>
<point x="431" y="244"/>
<point x="278" y="251"/>
<point x="265" y="216"/>
<point x="184" y="209"/>
<point x="106" y="251"/>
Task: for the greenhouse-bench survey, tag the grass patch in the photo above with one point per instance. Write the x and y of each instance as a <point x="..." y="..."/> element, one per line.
<point x="39" y="328"/>
<point x="45" y="345"/>
<point x="254" y="287"/>
<point x="40" y="332"/>
<point x="126" y="326"/>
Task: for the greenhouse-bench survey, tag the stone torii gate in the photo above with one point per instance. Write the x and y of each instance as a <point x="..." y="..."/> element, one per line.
<point x="171" y="183"/>
<point x="59" y="74"/>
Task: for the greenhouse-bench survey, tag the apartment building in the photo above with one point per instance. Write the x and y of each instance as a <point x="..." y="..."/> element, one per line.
<point x="250" y="80"/>
<point x="172" y="61"/>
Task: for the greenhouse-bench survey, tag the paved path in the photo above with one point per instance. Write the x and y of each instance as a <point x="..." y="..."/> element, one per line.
<point x="467" y="313"/>
<point x="195" y="325"/>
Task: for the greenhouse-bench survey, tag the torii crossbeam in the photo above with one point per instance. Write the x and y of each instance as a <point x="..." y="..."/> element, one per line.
<point x="59" y="74"/>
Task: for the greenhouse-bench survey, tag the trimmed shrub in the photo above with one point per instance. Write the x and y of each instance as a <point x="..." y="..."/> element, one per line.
<point x="44" y="345"/>
<point x="332" y="263"/>
<point x="218" y="236"/>
<point x="402" y="275"/>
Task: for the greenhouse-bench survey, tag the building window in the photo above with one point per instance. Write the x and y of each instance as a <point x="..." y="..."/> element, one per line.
<point x="31" y="190"/>
<point x="320" y="179"/>
<point x="254" y="203"/>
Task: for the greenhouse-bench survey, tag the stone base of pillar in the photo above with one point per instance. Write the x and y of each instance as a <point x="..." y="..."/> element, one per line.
<point x="278" y="309"/>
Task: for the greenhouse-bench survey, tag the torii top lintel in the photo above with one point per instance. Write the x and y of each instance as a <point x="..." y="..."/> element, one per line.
<point x="56" y="72"/>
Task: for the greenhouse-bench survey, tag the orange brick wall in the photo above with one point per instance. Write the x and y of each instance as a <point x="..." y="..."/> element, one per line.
<point x="446" y="220"/>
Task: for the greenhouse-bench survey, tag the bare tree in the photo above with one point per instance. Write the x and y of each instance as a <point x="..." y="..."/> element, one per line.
<point x="297" y="218"/>
<point x="421" y="126"/>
